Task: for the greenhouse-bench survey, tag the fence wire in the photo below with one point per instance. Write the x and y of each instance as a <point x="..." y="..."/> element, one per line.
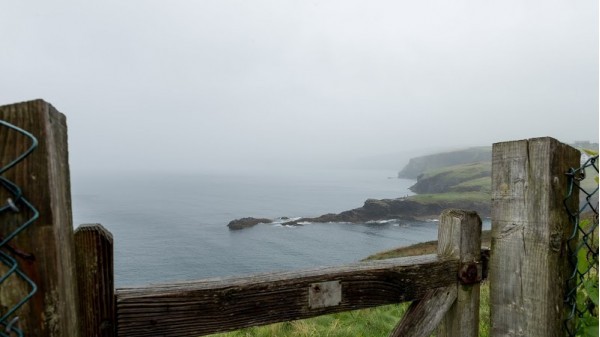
<point x="582" y="294"/>
<point x="15" y="203"/>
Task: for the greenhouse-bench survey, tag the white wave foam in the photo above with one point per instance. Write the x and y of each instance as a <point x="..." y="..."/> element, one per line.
<point x="382" y="221"/>
<point x="284" y="220"/>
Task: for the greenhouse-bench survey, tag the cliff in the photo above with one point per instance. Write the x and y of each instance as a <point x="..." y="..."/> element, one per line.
<point x="418" y="165"/>
<point x="458" y="179"/>
<point x="471" y="177"/>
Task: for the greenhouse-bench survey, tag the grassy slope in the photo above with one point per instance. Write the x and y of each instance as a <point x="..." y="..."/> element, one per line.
<point x="483" y="184"/>
<point x="456" y="178"/>
<point x="452" y="197"/>
<point x="418" y="165"/>
<point x="460" y="172"/>
<point x="423" y="248"/>
<point x="465" y="186"/>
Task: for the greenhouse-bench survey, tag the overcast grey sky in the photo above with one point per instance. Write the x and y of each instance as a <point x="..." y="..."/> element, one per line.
<point x="166" y="84"/>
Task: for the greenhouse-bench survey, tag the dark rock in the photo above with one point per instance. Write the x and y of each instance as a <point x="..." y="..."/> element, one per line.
<point x="374" y="206"/>
<point x="401" y="208"/>
<point x="247" y="222"/>
<point x="384" y="209"/>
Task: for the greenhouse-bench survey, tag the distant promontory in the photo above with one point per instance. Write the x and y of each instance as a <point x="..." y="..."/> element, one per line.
<point x="458" y="179"/>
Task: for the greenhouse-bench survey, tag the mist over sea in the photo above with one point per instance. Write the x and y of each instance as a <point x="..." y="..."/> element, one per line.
<point x="173" y="227"/>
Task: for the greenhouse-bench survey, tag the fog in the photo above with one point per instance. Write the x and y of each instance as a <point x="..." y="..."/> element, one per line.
<point x="192" y="85"/>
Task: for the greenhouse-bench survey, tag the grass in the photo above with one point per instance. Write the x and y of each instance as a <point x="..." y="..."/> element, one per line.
<point x="367" y="322"/>
<point x="483" y="184"/>
<point x="423" y="248"/>
<point x="452" y="197"/>
<point x="373" y="322"/>
<point x="461" y="172"/>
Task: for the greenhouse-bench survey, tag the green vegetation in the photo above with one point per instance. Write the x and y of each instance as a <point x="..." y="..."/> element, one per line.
<point x="483" y="184"/>
<point x="416" y="166"/>
<point x="422" y="248"/>
<point x="452" y="197"/>
<point x="587" y="264"/>
<point x="587" y="291"/>
<point x="458" y="178"/>
<point x="368" y="322"/>
<point x="460" y="172"/>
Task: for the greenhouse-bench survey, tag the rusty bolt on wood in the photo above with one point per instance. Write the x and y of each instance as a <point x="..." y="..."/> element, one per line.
<point x="470" y="273"/>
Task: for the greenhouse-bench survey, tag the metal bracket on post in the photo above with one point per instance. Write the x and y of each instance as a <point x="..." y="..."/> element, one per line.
<point x="324" y="294"/>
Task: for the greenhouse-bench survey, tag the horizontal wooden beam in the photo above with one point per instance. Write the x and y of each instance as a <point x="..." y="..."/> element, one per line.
<point x="219" y="305"/>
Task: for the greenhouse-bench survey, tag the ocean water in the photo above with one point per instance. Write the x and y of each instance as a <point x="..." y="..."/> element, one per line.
<point x="173" y="227"/>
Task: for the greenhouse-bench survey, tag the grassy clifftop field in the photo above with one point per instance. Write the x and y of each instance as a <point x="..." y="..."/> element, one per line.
<point x="458" y="179"/>
<point x="418" y="165"/>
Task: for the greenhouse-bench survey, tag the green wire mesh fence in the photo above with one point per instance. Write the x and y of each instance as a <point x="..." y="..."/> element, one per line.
<point x="582" y="295"/>
<point x="16" y="203"/>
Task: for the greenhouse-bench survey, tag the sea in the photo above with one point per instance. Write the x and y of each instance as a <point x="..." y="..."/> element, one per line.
<point x="173" y="226"/>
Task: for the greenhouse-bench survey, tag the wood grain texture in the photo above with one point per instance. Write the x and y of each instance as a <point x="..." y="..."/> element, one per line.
<point x="44" y="179"/>
<point x="528" y="262"/>
<point x="424" y="315"/>
<point x="459" y="236"/>
<point x="95" y="278"/>
<point x="218" y="305"/>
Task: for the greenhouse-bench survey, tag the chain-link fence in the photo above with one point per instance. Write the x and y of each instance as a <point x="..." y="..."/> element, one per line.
<point x="582" y="296"/>
<point x="15" y="203"/>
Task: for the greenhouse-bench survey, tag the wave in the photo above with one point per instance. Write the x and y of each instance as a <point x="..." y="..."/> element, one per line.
<point x="279" y="221"/>
<point x="284" y="226"/>
<point x="382" y="221"/>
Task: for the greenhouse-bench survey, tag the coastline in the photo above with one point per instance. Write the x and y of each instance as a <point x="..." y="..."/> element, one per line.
<point x="412" y="208"/>
<point x="422" y="248"/>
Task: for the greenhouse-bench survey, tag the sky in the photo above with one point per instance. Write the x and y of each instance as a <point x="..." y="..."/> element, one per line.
<point x="191" y="85"/>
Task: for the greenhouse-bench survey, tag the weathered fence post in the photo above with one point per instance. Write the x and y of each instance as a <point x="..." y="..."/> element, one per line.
<point x="459" y="235"/>
<point x="453" y="309"/>
<point x="95" y="276"/>
<point x="529" y="261"/>
<point x="48" y="242"/>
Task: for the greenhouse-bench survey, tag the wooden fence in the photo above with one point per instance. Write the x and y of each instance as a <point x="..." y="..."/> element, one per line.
<point x="74" y="271"/>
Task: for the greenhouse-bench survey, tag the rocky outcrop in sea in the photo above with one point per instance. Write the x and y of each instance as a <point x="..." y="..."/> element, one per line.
<point x="379" y="209"/>
<point x="247" y="222"/>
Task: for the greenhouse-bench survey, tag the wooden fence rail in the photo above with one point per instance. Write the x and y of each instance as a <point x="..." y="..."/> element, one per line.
<point x="204" y="307"/>
<point x="218" y="305"/>
<point x="74" y="273"/>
